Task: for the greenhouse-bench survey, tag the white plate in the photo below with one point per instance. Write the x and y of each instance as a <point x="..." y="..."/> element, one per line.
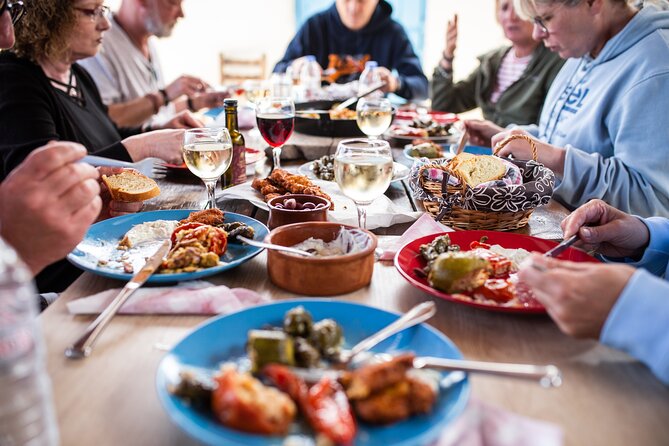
<point x="400" y="171"/>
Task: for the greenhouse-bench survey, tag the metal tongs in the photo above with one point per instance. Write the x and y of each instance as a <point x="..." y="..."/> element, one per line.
<point x="350" y="101"/>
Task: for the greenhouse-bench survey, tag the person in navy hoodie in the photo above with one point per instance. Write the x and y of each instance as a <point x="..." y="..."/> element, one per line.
<point x="360" y="27"/>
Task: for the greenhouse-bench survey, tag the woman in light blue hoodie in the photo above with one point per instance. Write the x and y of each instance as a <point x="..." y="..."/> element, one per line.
<point x="604" y="128"/>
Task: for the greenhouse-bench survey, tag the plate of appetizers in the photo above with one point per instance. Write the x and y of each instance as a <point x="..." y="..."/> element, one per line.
<point x="236" y="379"/>
<point x="477" y="268"/>
<point x="203" y="244"/>
<point x="422" y="148"/>
<point x="323" y="169"/>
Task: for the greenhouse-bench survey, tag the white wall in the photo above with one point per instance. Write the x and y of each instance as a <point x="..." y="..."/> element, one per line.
<point x="478" y="31"/>
<point x="252" y="27"/>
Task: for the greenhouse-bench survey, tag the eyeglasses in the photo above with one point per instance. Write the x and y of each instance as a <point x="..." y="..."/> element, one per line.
<point x="16" y="9"/>
<point x="96" y="14"/>
<point x="541" y="23"/>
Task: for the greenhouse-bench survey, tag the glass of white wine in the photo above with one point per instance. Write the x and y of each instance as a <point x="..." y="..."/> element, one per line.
<point x="374" y="116"/>
<point x="363" y="170"/>
<point x="208" y="154"/>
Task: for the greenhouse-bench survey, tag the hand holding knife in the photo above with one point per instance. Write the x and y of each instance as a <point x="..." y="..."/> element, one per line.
<point x="84" y="345"/>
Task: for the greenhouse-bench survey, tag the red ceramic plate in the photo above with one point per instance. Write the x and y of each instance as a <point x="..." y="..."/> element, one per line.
<point x="408" y="259"/>
<point x="252" y="155"/>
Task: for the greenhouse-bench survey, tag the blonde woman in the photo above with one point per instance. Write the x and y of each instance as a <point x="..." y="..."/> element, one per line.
<point x="511" y="82"/>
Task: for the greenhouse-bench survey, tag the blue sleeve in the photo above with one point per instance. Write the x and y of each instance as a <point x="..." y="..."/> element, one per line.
<point x="635" y="178"/>
<point x="296" y="49"/>
<point x="638" y="321"/>
<point x="413" y="83"/>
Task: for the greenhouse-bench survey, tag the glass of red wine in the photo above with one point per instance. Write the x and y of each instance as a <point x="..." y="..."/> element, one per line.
<point x="276" y="119"/>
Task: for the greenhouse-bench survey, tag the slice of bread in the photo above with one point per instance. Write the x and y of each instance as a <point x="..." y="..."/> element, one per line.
<point x="131" y="186"/>
<point x="477" y="169"/>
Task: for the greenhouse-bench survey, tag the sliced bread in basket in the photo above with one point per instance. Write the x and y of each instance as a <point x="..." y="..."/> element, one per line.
<point x="477" y="169"/>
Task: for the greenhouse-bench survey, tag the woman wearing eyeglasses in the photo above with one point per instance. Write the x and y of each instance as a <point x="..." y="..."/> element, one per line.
<point x="45" y="95"/>
<point x="604" y="128"/>
<point x="510" y="83"/>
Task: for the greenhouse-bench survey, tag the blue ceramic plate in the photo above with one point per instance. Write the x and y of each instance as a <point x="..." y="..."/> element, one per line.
<point x="223" y="338"/>
<point x="475" y="150"/>
<point x="102" y="239"/>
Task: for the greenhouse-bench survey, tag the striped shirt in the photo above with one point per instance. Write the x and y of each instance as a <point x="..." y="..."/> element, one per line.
<point x="510" y="70"/>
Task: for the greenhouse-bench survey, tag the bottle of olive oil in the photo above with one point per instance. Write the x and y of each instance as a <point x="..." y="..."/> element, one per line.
<point x="236" y="173"/>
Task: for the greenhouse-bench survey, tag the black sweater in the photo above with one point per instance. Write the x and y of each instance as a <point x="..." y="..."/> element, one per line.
<point x="382" y="38"/>
<point x="33" y="112"/>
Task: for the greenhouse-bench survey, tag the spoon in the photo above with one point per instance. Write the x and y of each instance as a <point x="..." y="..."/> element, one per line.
<point x="288" y="249"/>
<point x="415" y="316"/>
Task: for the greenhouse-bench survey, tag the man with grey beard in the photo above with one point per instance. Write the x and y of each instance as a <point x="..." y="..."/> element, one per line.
<point x="127" y="69"/>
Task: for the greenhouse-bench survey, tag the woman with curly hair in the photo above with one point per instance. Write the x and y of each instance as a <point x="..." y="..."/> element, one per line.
<point x="45" y="96"/>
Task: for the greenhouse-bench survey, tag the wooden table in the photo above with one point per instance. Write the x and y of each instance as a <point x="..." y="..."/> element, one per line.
<point x="110" y="397"/>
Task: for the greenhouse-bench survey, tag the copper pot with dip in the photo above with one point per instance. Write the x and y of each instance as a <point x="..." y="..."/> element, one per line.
<point x="320" y="276"/>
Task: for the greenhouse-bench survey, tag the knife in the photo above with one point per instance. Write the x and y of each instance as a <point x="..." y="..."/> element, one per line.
<point x="354" y="99"/>
<point x="84" y="345"/>
<point x="559" y="249"/>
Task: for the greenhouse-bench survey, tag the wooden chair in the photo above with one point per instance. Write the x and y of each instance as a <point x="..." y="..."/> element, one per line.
<point x="237" y="70"/>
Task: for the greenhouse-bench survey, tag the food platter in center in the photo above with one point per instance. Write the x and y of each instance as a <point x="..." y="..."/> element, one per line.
<point x="223" y="339"/>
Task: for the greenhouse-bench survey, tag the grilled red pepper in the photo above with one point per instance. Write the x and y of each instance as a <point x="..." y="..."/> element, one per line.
<point x="324" y="405"/>
<point x="475" y="244"/>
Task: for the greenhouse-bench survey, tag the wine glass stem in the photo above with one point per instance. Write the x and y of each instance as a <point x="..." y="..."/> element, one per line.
<point x="362" y="215"/>
<point x="276" y="155"/>
<point x="211" y="193"/>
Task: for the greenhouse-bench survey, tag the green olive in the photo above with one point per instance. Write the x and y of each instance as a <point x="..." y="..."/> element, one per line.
<point x="297" y="322"/>
<point x="456" y="272"/>
<point x="327" y="336"/>
<point x="306" y="355"/>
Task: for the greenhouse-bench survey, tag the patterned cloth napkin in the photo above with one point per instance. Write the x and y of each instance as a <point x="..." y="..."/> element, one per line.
<point x="195" y="297"/>
<point x="425" y="225"/>
<point x="485" y="425"/>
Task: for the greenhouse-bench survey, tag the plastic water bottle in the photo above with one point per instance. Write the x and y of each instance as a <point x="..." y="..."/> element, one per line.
<point x="310" y="78"/>
<point x="369" y="77"/>
<point x="27" y="416"/>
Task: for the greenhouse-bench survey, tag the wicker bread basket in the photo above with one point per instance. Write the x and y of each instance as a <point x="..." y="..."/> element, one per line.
<point x="500" y="207"/>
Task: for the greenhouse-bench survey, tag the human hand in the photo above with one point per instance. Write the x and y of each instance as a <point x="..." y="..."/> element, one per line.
<point x="550" y="156"/>
<point x="182" y="120"/>
<point x="185" y="85"/>
<point x="295" y="66"/>
<point x="607" y="230"/>
<point x="391" y="82"/>
<point x="578" y="296"/>
<point x="209" y="99"/>
<point x="163" y="144"/>
<point x="48" y="202"/>
<point x="114" y="208"/>
<point x="481" y="131"/>
<point x="451" y="37"/>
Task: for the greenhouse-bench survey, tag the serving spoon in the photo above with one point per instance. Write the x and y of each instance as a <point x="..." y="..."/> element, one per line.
<point x="288" y="249"/>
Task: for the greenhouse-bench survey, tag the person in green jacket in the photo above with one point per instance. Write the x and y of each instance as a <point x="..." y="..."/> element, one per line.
<point x="510" y="83"/>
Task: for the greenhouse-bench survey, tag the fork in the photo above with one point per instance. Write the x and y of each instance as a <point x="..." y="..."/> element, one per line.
<point x="151" y="167"/>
